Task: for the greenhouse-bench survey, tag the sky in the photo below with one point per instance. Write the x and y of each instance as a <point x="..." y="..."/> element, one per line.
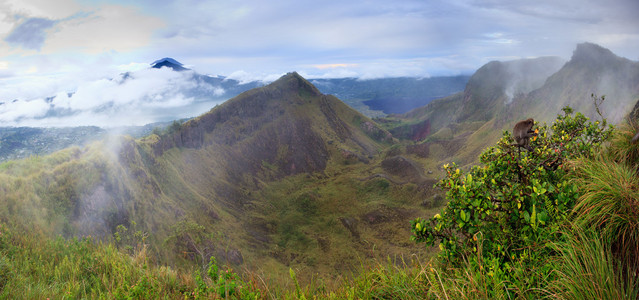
<point x="53" y="48"/>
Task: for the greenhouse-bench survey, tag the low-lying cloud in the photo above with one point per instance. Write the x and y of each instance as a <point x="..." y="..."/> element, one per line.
<point x="244" y="77"/>
<point x="133" y="98"/>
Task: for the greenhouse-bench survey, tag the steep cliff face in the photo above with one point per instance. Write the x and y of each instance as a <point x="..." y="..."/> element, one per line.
<point x="496" y="84"/>
<point x="501" y="93"/>
<point x="591" y="70"/>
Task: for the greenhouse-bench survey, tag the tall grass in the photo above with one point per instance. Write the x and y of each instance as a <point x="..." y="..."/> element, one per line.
<point x="467" y="282"/>
<point x="478" y="279"/>
<point x="621" y="148"/>
<point x="33" y="266"/>
<point x="587" y="270"/>
<point x="385" y="281"/>
<point x="609" y="205"/>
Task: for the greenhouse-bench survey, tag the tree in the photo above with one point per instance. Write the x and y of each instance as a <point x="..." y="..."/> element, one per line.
<point x="505" y="211"/>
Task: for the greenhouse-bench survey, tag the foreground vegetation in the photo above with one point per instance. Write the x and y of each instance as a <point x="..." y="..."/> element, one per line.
<point x="558" y="222"/>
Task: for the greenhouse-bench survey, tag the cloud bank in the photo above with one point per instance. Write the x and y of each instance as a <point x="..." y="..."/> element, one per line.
<point x="56" y="47"/>
<point x="134" y="98"/>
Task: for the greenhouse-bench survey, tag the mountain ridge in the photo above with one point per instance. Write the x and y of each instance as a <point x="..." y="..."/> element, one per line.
<point x="251" y="167"/>
<point x="474" y="118"/>
<point x="391" y="95"/>
<point x="265" y="104"/>
<point x="593" y="70"/>
<point x="266" y="173"/>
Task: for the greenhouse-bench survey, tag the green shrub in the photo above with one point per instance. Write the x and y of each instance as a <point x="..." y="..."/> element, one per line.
<point x="511" y="206"/>
<point x="306" y="203"/>
<point x="224" y="283"/>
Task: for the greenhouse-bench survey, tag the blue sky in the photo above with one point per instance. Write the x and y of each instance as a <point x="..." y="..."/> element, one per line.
<point x="48" y="47"/>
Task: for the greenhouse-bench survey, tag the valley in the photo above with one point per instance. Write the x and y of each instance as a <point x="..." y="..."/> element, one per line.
<point x="281" y="176"/>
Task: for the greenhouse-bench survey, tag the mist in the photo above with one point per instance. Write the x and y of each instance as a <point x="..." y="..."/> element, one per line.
<point x="526" y="75"/>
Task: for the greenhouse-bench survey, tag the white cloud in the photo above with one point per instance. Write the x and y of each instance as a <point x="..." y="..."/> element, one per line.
<point x="148" y="85"/>
<point x="30" y="34"/>
<point x="141" y="97"/>
<point x="343" y="72"/>
<point x="133" y="66"/>
<point x="63" y="26"/>
<point x="44" y="8"/>
<point x="218" y="91"/>
<point x="221" y="37"/>
<point x="13" y="111"/>
<point x="246" y="77"/>
<point x="415" y="67"/>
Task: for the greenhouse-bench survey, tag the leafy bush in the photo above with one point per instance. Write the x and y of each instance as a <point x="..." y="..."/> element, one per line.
<point x="508" y="209"/>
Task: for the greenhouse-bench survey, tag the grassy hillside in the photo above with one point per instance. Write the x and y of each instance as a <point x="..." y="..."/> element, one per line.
<point x="580" y="262"/>
<point x="278" y="177"/>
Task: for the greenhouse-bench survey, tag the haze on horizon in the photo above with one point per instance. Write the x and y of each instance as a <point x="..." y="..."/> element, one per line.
<point x="52" y="48"/>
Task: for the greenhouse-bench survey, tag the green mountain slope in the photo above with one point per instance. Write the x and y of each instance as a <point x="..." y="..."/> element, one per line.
<point x="284" y="176"/>
<point x="487" y="95"/>
<point x="280" y="176"/>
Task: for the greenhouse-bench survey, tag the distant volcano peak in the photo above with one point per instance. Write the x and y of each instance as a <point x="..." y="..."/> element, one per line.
<point x="168" y="62"/>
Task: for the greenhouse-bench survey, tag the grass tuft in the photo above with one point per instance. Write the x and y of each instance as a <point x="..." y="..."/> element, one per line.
<point x="387" y="281"/>
<point x="587" y="270"/>
<point x="610" y="205"/>
<point x="621" y="148"/>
